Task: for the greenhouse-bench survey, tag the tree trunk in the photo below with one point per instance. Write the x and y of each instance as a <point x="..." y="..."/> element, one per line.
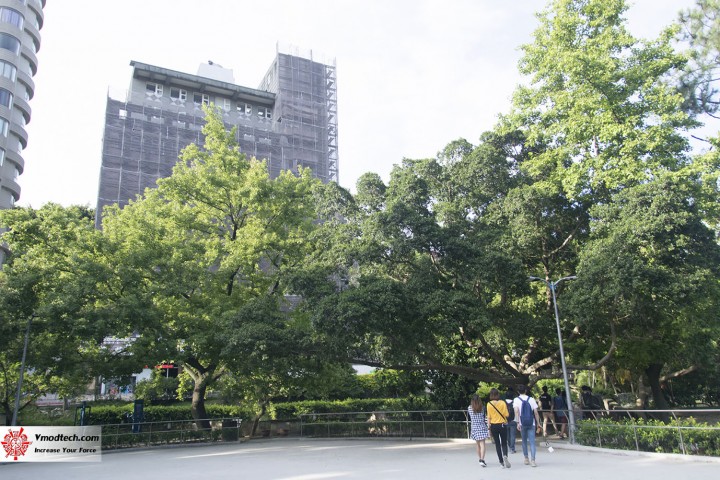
<point x="256" y="420"/>
<point x="642" y="395"/>
<point x="8" y="413"/>
<point x="198" y="402"/>
<point x="653" y="374"/>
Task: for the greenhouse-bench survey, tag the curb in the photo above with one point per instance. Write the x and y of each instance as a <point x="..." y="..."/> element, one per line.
<point x="635" y="453"/>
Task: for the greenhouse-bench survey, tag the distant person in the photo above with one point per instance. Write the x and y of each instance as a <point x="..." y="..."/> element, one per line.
<point x="526" y="414"/>
<point x="590" y="403"/>
<point x="546" y="408"/>
<point x="512" y="423"/>
<point x="497" y="417"/>
<point x="478" y="427"/>
<point x="560" y="409"/>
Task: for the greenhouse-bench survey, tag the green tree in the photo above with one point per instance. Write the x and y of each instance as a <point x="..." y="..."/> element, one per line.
<point x="599" y="116"/>
<point x="698" y="80"/>
<point x="53" y="277"/>
<point x="599" y="101"/>
<point x="215" y="238"/>
<point x="427" y="278"/>
<point x="650" y="271"/>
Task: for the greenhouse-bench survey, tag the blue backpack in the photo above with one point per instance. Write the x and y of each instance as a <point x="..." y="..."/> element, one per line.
<point x="526" y="413"/>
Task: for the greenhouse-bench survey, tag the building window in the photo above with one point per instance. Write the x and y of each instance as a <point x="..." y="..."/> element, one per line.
<point x="2" y="157"/>
<point x="13" y="17"/>
<point x="8" y="42"/>
<point x="244" y="108"/>
<point x="264" y="112"/>
<point x="6" y="98"/>
<point x="4" y="124"/>
<point x="8" y="70"/>
<point x="178" y="94"/>
<point x="154" y="89"/>
<point x="226" y="105"/>
<point x="201" y="98"/>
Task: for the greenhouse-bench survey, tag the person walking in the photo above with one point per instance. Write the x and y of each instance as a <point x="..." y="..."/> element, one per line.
<point x="560" y="409"/>
<point x="526" y="414"/>
<point x="478" y="427"/>
<point x="512" y="423"/>
<point x="497" y="417"/>
<point x="546" y="408"/>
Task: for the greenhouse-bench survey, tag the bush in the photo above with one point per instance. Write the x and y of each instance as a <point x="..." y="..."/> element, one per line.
<point x="291" y="410"/>
<point x="157" y="388"/>
<point x="651" y="435"/>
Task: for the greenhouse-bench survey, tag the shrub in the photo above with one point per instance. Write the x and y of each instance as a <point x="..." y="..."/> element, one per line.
<point x="291" y="410"/>
<point x="651" y="435"/>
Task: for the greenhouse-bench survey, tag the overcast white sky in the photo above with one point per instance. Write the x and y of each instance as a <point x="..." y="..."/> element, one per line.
<point x="412" y="74"/>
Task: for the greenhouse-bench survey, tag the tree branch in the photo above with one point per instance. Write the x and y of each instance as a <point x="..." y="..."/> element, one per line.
<point x="680" y="373"/>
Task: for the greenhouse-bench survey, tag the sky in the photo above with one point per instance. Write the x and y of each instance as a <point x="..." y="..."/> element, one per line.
<point x="412" y="75"/>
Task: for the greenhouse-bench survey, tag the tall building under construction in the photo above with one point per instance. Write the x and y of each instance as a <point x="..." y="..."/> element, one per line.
<point x="290" y="119"/>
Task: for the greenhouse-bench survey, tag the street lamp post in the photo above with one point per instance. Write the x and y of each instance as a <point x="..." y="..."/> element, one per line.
<point x="22" y="372"/>
<point x="568" y="398"/>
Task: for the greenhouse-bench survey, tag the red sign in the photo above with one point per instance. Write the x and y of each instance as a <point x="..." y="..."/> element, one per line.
<point x="15" y="444"/>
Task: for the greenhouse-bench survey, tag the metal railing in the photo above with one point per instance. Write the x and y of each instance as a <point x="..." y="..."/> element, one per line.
<point x="689" y="432"/>
<point x="665" y="431"/>
<point x="417" y="423"/>
<point x="124" y="435"/>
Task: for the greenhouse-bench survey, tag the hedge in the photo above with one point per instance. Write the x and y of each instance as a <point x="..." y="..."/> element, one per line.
<point x="108" y="415"/>
<point x="292" y="410"/>
<point x="652" y="435"/>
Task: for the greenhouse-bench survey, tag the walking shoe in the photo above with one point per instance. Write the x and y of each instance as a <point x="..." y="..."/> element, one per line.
<point x="502" y="465"/>
<point x="507" y="462"/>
<point x="482" y="462"/>
<point x="527" y="461"/>
<point x="533" y="464"/>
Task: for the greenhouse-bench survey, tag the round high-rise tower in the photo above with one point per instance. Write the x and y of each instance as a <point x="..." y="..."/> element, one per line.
<point x="20" y="24"/>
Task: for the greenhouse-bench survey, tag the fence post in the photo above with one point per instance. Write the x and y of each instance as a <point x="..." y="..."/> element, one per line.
<point x="682" y="442"/>
<point x="597" y="425"/>
<point x="637" y="444"/>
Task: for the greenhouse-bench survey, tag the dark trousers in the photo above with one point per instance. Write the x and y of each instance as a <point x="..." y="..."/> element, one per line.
<point x="499" y="435"/>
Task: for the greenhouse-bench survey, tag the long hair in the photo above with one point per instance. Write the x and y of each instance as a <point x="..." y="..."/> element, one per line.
<point x="476" y="403"/>
<point x="494" y="394"/>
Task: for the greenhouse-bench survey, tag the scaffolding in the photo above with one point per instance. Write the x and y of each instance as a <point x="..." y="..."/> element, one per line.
<point x="146" y="131"/>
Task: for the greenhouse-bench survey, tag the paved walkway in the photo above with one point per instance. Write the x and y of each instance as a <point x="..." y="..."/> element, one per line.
<point x="322" y="459"/>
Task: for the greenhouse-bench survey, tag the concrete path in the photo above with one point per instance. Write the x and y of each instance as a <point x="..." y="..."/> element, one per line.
<point x="323" y="459"/>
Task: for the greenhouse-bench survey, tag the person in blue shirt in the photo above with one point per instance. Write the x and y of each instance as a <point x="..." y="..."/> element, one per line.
<point x="560" y="409"/>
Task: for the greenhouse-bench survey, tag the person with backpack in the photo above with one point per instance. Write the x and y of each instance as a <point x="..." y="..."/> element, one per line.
<point x="478" y="426"/>
<point x="497" y="416"/>
<point x="526" y="414"/>
<point x="511" y="424"/>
